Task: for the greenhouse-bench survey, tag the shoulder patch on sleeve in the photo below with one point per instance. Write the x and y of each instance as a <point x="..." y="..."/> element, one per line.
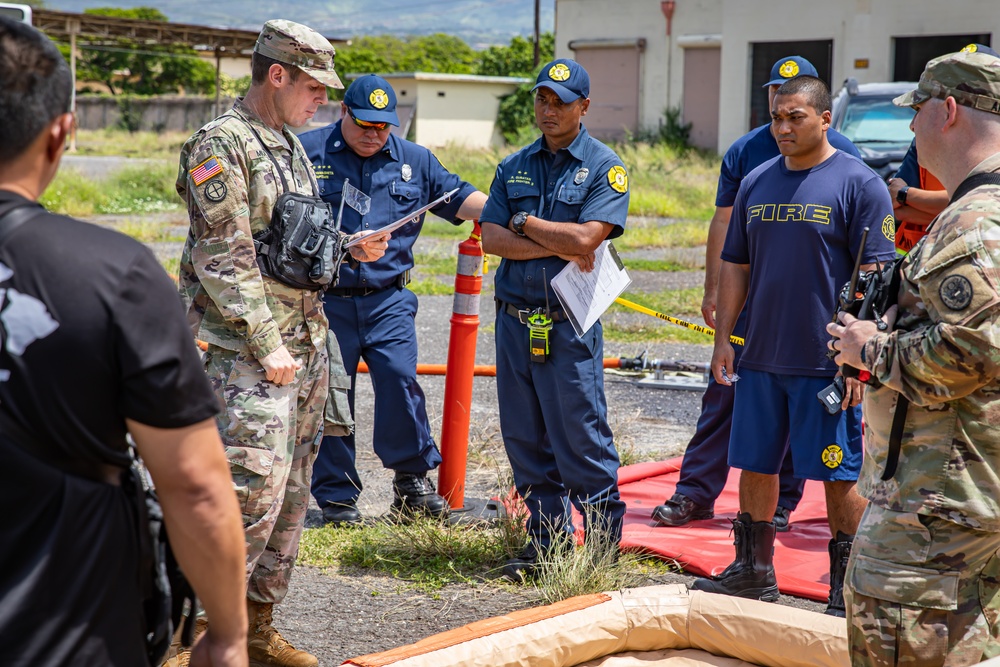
<point x="618" y="179"/>
<point x="206" y="170"/>
<point x="889" y="228"/>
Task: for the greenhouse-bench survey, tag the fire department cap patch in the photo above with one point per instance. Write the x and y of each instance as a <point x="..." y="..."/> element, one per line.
<point x="559" y="72"/>
<point x="889" y="228"/>
<point x="208" y="169"/>
<point x="789" y="69"/>
<point x="832" y="456"/>
<point x="956" y="292"/>
<point x="379" y="99"/>
<point x="618" y="179"/>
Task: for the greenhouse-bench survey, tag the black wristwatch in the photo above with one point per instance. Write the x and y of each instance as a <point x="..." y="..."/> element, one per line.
<point x="517" y="222"/>
<point x="901" y="194"/>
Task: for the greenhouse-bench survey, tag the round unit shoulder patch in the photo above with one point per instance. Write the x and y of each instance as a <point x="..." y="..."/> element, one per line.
<point x="379" y="99"/>
<point x="889" y="228"/>
<point x="618" y="179"/>
<point x="956" y="292"/>
<point x="215" y="191"/>
<point x="788" y="69"/>
<point x="832" y="456"/>
<point x="559" y="72"/>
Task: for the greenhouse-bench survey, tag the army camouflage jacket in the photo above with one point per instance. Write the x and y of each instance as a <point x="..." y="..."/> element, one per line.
<point x="230" y="187"/>
<point x="944" y="356"/>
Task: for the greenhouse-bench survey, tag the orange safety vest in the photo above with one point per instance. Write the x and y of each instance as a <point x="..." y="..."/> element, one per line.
<point x="908" y="233"/>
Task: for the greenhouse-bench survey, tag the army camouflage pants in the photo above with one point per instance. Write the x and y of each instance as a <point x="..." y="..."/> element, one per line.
<point x="271" y="435"/>
<point x="922" y="591"/>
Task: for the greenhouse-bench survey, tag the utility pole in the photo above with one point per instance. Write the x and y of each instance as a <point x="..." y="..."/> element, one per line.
<point x="538" y="24"/>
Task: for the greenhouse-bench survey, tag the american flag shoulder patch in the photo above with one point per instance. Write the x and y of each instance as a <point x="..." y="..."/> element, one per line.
<point x="206" y="170"/>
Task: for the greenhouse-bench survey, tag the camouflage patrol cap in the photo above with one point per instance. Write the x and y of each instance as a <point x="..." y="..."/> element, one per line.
<point x="972" y="78"/>
<point x="295" y="44"/>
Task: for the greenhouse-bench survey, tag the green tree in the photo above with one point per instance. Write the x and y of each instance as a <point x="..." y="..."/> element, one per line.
<point x="135" y="68"/>
<point x="516" y="118"/>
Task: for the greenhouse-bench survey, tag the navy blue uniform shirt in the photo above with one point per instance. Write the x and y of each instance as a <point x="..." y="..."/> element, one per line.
<point x="400" y="178"/>
<point x="754" y="149"/>
<point x="583" y="182"/>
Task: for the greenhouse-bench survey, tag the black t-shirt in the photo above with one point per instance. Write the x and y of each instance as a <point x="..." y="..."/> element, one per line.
<point x="92" y="332"/>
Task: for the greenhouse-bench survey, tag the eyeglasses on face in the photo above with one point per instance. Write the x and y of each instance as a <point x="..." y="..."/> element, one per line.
<point x="365" y="125"/>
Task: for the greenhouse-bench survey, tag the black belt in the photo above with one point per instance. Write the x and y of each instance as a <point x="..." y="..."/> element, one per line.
<point x="402" y="280"/>
<point x="522" y="314"/>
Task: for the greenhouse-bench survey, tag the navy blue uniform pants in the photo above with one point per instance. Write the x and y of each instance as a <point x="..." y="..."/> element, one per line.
<point x="706" y="460"/>
<point x="378" y="328"/>
<point x="553" y="418"/>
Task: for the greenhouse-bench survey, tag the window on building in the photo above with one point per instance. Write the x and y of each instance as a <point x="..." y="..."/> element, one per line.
<point x="912" y="53"/>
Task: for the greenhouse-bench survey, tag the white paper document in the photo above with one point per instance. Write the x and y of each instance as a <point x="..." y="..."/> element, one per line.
<point x="393" y="226"/>
<point x="585" y="296"/>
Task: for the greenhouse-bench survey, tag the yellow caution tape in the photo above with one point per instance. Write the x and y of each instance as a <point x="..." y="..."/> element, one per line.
<point x="673" y="320"/>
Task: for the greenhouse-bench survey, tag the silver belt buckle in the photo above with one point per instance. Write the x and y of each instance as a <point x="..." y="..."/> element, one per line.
<point x="523" y="315"/>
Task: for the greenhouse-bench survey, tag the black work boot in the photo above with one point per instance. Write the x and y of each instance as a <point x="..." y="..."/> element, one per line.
<point x="840" y="551"/>
<point x="342" y="514"/>
<point x="679" y="510"/>
<point x="522" y="568"/>
<point x="781" y="517"/>
<point x="751" y="575"/>
<point x="414" y="494"/>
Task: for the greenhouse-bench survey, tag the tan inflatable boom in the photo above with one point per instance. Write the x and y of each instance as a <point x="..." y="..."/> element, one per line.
<point x="652" y="627"/>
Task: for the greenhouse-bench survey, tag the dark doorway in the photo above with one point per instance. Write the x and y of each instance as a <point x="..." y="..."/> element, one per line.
<point x="912" y="53"/>
<point x="765" y="54"/>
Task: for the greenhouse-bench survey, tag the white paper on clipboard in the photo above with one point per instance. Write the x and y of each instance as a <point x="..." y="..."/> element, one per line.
<point x="408" y="218"/>
<point x="585" y="296"/>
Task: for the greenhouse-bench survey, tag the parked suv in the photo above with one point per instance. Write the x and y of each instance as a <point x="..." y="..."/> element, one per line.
<point x="865" y="114"/>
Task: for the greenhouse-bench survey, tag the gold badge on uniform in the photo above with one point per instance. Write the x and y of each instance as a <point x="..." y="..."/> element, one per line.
<point x="788" y="69"/>
<point x="956" y="292"/>
<point x="379" y="99"/>
<point x="889" y="228"/>
<point x="581" y="175"/>
<point x="832" y="456"/>
<point x="618" y="178"/>
<point x="406" y="172"/>
<point x="559" y="72"/>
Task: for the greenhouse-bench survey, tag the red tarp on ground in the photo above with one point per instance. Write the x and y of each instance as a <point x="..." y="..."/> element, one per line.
<point x="801" y="559"/>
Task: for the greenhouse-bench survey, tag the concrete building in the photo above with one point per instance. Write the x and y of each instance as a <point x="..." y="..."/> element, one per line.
<point x="450" y="108"/>
<point x="709" y="58"/>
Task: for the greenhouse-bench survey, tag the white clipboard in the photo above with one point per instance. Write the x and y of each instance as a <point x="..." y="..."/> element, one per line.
<point x="585" y="296"/>
<point x="408" y="218"/>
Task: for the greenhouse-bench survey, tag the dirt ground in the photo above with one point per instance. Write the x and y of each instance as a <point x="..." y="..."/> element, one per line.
<point x="339" y="614"/>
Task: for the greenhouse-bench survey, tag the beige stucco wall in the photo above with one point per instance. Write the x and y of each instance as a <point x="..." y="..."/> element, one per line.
<point x="453" y="109"/>
<point x="858" y="28"/>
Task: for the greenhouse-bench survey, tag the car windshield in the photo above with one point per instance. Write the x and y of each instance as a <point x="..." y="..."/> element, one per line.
<point x="876" y="120"/>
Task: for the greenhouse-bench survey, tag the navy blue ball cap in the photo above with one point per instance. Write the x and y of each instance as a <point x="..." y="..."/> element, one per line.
<point x="567" y="78"/>
<point x="789" y="68"/>
<point x="979" y="48"/>
<point x="370" y="98"/>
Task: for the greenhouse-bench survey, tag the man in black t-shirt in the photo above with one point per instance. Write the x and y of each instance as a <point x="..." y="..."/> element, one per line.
<point x="94" y="346"/>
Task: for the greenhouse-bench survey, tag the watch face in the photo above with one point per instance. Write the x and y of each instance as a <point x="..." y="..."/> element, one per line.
<point x="901" y="195"/>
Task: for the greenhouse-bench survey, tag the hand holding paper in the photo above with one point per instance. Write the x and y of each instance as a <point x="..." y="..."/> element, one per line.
<point x="408" y="218"/>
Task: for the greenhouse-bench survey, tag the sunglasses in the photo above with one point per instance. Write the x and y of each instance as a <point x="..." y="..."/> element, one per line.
<point x="365" y="125"/>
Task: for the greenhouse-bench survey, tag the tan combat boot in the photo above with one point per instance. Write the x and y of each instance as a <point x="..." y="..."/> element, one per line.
<point x="266" y="646"/>
<point x="181" y="657"/>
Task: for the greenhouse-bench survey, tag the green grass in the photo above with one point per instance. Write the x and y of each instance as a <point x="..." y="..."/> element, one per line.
<point x="683" y="304"/>
<point x="165" y="145"/>
<point x="429" y="554"/>
<point x="133" y="190"/>
<point x="680" y="303"/>
<point x="644" y="333"/>
<point x="643" y="235"/>
<point x="655" y="265"/>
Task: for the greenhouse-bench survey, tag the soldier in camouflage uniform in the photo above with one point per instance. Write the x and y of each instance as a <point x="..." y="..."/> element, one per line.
<point x="267" y="352"/>
<point x="923" y="581"/>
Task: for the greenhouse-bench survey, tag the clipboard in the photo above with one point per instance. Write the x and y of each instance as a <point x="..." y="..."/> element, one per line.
<point x="408" y="218"/>
<point x="585" y="296"/>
